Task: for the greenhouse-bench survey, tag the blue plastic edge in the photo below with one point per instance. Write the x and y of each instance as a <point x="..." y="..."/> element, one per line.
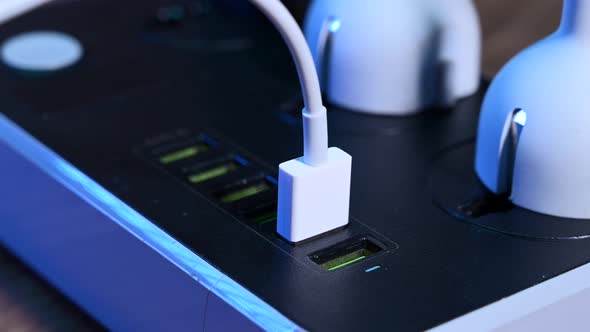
<point x="248" y="304"/>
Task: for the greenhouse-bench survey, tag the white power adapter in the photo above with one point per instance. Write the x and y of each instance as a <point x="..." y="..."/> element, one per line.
<point x="314" y="191"/>
<point x="534" y="131"/>
<point x="395" y="57"/>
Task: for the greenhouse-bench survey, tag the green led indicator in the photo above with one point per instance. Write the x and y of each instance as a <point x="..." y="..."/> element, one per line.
<point x="266" y="218"/>
<point x="346" y="260"/>
<point x="245" y="193"/>
<point x="183" y="154"/>
<point x="213" y="173"/>
<point x="346" y="263"/>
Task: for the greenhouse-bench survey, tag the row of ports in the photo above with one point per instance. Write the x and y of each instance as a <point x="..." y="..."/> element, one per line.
<point x="247" y="191"/>
<point x="223" y="175"/>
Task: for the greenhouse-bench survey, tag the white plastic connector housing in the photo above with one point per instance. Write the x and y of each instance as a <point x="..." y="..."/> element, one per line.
<point x="314" y="191"/>
<point x="550" y="81"/>
<point x="314" y="199"/>
<point x="395" y="57"/>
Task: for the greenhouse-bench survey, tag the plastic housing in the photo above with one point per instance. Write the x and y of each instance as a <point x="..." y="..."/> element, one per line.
<point x="395" y="57"/>
<point x="314" y="200"/>
<point x="550" y="81"/>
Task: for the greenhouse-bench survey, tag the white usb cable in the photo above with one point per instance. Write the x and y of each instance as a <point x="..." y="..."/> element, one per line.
<point x="314" y="193"/>
<point x="315" y="124"/>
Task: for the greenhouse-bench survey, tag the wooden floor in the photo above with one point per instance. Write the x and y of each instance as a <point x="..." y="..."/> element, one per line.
<point x="29" y="304"/>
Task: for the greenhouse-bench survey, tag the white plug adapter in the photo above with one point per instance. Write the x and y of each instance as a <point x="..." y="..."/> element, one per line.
<point x="395" y="57"/>
<point x="534" y="130"/>
<point x="314" y="199"/>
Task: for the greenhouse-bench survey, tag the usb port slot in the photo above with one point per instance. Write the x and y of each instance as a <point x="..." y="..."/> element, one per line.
<point x="184" y="153"/>
<point x="243" y="191"/>
<point x="214" y="172"/>
<point x="262" y="215"/>
<point x="346" y="253"/>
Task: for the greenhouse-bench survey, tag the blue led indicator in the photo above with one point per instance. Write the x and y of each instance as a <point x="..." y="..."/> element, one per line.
<point x="241" y="160"/>
<point x="335" y="25"/>
<point x="272" y="180"/>
<point x="377" y="267"/>
<point x="209" y="140"/>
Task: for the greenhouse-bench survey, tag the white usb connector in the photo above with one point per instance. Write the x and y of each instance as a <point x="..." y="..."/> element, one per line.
<point x="314" y="191"/>
<point x="314" y="199"/>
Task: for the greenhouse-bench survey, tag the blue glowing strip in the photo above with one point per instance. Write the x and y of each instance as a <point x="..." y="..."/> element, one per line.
<point x="272" y="180"/>
<point x="230" y="291"/>
<point x="373" y="268"/>
<point x="241" y="160"/>
<point x="209" y="140"/>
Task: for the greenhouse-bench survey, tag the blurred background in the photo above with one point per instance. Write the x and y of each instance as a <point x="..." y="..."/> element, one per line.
<point x="28" y="304"/>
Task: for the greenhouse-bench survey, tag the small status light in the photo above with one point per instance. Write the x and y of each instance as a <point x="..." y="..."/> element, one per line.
<point x="374" y="268"/>
<point x="520" y="117"/>
<point x="335" y="25"/>
<point x="241" y="160"/>
<point x="272" y="180"/>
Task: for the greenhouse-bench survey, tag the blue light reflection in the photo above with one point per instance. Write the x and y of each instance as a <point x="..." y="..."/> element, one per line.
<point x="230" y="291"/>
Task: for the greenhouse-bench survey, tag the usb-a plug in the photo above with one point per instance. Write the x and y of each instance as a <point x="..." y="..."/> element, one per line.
<point x="314" y="199"/>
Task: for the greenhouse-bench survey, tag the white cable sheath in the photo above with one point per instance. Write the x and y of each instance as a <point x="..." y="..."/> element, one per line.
<point x="315" y="124"/>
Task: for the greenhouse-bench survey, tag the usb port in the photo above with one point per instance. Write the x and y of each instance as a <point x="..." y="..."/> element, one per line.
<point x="243" y="191"/>
<point x="346" y="253"/>
<point x="184" y="153"/>
<point x="262" y="215"/>
<point x="214" y="172"/>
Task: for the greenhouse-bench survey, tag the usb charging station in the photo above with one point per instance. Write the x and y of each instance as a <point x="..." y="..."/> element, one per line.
<point x="144" y="225"/>
<point x="231" y="178"/>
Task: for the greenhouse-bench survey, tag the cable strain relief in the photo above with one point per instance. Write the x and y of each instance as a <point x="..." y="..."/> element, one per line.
<point x="315" y="136"/>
